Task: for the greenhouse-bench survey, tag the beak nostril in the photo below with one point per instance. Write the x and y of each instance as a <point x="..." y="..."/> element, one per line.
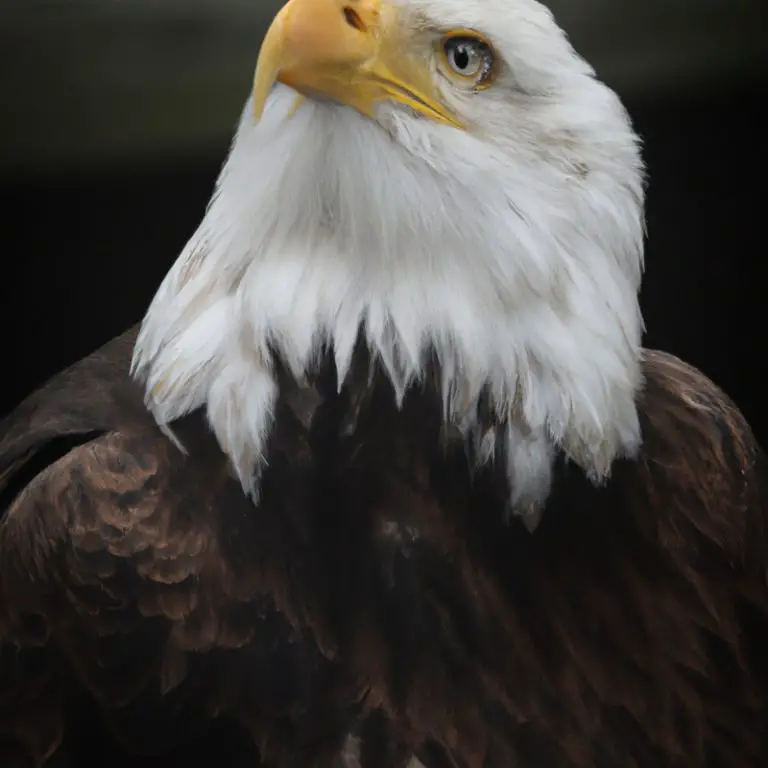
<point x="353" y="19"/>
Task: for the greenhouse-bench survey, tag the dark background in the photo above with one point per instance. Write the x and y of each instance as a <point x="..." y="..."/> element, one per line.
<point x="116" y="126"/>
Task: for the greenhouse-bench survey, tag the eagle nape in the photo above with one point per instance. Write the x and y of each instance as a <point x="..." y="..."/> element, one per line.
<point x="436" y="505"/>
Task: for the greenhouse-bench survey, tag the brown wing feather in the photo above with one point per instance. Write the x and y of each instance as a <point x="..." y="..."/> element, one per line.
<point x="379" y="576"/>
<point x="626" y="631"/>
<point x="87" y="397"/>
<point x="147" y="578"/>
<point x="113" y="560"/>
<point x="99" y="562"/>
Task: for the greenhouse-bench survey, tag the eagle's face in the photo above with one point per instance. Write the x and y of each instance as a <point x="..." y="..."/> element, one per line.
<point x="465" y="85"/>
<point x="446" y="176"/>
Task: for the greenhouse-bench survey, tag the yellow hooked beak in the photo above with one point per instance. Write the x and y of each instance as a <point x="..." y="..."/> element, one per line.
<point x="349" y="51"/>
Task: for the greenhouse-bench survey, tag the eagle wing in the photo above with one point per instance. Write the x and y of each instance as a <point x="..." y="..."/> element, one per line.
<point x="94" y="564"/>
<point x="145" y="578"/>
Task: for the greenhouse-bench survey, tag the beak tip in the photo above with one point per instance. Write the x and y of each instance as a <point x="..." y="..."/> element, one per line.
<point x="259" y="99"/>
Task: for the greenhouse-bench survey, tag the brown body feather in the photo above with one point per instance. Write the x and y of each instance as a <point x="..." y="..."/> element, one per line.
<point x="378" y="604"/>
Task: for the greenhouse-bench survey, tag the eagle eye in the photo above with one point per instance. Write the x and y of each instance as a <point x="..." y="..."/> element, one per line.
<point x="468" y="58"/>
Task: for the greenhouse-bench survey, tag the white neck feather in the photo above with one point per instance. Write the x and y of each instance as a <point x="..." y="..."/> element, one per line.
<point x="519" y="269"/>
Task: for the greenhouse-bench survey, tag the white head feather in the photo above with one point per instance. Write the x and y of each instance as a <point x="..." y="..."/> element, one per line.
<point x="513" y="249"/>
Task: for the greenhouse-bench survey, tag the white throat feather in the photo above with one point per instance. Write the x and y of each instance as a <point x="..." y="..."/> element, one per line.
<point x="519" y="266"/>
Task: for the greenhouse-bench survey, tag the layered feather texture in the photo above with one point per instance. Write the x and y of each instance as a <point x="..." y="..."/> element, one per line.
<point x="510" y="252"/>
<point x="377" y="606"/>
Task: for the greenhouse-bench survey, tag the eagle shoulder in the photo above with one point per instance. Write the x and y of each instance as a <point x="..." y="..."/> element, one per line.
<point x="701" y="460"/>
<point x="110" y="573"/>
<point x="102" y="525"/>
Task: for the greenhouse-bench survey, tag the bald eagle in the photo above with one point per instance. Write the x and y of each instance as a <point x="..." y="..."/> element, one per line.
<point x="385" y="476"/>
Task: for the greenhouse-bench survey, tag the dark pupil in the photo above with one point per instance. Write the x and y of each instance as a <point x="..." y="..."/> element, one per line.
<point x="461" y="56"/>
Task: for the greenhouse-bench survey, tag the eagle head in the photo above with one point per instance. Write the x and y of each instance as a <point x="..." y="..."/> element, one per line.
<point x="445" y="179"/>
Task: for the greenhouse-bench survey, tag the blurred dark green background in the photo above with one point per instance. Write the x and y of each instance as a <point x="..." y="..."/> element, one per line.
<point x="88" y="83"/>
